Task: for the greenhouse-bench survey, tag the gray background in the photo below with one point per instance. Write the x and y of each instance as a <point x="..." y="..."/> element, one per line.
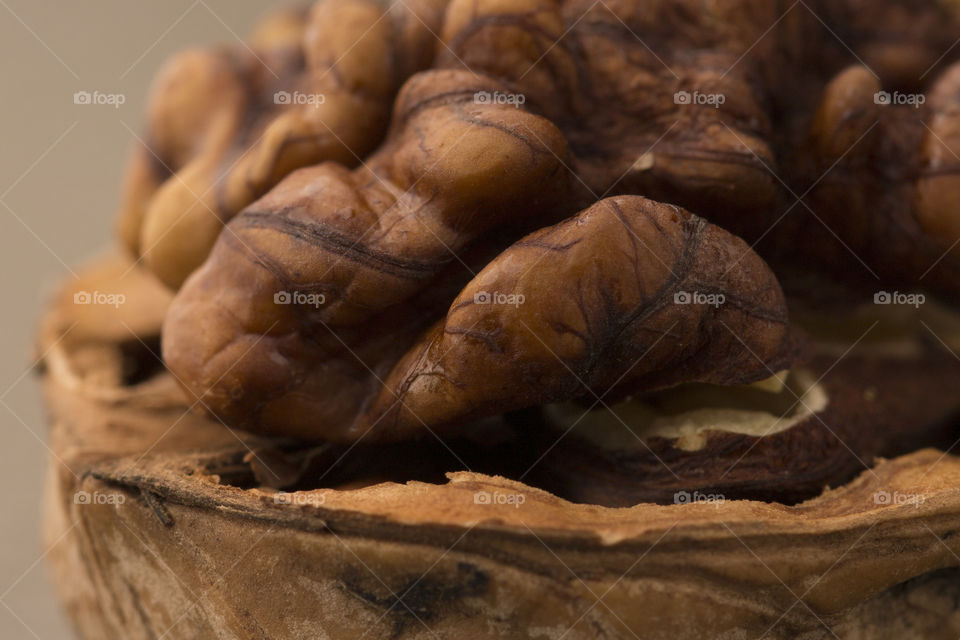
<point x="60" y="172"/>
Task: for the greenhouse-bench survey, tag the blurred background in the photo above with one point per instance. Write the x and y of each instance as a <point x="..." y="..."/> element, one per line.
<point x="60" y="172"/>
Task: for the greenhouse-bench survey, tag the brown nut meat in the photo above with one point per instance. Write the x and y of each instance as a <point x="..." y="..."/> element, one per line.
<point x="677" y="100"/>
<point x="374" y="252"/>
<point x="227" y="124"/>
<point x="599" y="307"/>
<point x="371" y="260"/>
<point x="673" y="100"/>
<point x="621" y="81"/>
<point x="614" y="300"/>
<point x="353" y="303"/>
<point x="883" y="183"/>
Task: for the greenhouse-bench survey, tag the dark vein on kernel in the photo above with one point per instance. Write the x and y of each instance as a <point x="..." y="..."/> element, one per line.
<point x="447" y="98"/>
<point x="318" y="234"/>
<point x="535" y="146"/>
<point x="542" y="244"/>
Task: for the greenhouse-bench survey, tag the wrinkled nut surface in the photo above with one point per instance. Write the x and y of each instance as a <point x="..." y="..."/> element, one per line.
<point x="886" y="180"/>
<point x="596" y="305"/>
<point x="601" y="309"/>
<point x="671" y="100"/>
<point x="226" y="125"/>
<point x="484" y="215"/>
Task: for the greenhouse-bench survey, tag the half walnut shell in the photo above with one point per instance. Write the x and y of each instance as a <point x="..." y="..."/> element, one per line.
<point x="169" y="525"/>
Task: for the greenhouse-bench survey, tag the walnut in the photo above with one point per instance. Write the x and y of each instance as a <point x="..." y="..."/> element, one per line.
<point x="513" y="129"/>
<point x="530" y="275"/>
<point x="595" y="309"/>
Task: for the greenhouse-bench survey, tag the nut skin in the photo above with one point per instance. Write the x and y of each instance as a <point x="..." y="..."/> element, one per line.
<point x="588" y="69"/>
<point x="611" y="82"/>
<point x="606" y="75"/>
<point x="599" y="315"/>
<point x="218" y="137"/>
<point x="880" y="186"/>
<point x="937" y="187"/>
<point x="507" y="195"/>
<point x="379" y="243"/>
